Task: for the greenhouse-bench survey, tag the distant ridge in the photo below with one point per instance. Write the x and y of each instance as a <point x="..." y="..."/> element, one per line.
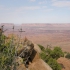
<point x="6" y="24"/>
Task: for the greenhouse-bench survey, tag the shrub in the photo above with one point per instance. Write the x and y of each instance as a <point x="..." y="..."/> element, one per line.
<point x="68" y="55"/>
<point x="48" y="51"/>
<point x="7" y="52"/>
<point x="41" y="47"/>
<point x="53" y="64"/>
<point x="57" y="53"/>
<point x="44" y="56"/>
<point x="51" y="56"/>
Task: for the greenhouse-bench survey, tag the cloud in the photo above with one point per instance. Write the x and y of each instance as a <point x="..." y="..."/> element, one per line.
<point x="62" y="3"/>
<point x="54" y="0"/>
<point x="2" y="7"/>
<point x="43" y="2"/>
<point x="32" y="0"/>
<point x="19" y="9"/>
<point x="44" y="6"/>
<point x="17" y="14"/>
<point x="24" y="8"/>
<point x="48" y="10"/>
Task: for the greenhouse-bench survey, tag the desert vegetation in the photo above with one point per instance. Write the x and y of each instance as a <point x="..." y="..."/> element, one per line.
<point x="8" y="51"/>
<point x="68" y="55"/>
<point x="51" y="56"/>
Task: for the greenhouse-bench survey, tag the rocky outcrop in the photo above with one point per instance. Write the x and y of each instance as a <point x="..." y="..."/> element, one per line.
<point x="36" y="63"/>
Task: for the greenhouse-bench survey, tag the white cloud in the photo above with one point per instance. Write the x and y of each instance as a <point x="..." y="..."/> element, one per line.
<point x="62" y="3"/>
<point x="2" y="7"/>
<point x="54" y="0"/>
<point x="44" y="6"/>
<point x="43" y="2"/>
<point x="19" y="9"/>
<point x="18" y="14"/>
<point x="32" y="0"/>
<point x="24" y="8"/>
<point x="48" y="10"/>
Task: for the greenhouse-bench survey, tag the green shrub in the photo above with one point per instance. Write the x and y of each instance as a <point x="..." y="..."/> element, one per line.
<point x="48" y="51"/>
<point x="68" y="55"/>
<point x="53" y="64"/>
<point x="44" y="56"/>
<point x="7" y="52"/>
<point x="41" y="47"/>
<point x="57" y="53"/>
<point x="51" y="56"/>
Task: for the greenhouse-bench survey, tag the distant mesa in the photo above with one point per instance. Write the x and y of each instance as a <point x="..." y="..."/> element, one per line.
<point x="6" y="24"/>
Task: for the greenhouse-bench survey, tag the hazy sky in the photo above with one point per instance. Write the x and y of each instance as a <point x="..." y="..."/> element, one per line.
<point x="34" y="11"/>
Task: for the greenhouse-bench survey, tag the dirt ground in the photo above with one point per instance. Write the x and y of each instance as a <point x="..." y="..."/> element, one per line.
<point x="65" y="63"/>
<point x="39" y="65"/>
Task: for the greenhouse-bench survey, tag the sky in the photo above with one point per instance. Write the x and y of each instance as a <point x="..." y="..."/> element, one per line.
<point x="34" y="11"/>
